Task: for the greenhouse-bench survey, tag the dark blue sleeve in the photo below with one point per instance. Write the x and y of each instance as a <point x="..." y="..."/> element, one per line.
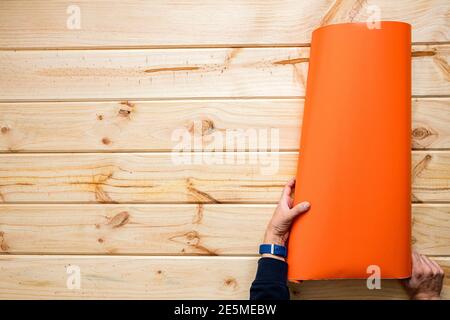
<point x="271" y="281"/>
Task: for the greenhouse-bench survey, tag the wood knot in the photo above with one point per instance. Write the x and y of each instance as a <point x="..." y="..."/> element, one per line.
<point x="423" y="53"/>
<point x="201" y="127"/>
<point x="5" y="130"/>
<point x="124" y="113"/>
<point x="100" y="117"/>
<point x="199" y="196"/>
<point x="100" y="240"/>
<point x="295" y="292"/>
<point x="207" y="126"/>
<point x="106" y="141"/>
<point x="119" y="220"/>
<point x="230" y="282"/>
<point x="3" y="245"/>
<point x="171" y="69"/>
<point x="126" y="109"/>
<point x="193" y="238"/>
<point x="421" y="166"/>
<point x="199" y="214"/>
<point x="421" y="133"/>
<point x="291" y="61"/>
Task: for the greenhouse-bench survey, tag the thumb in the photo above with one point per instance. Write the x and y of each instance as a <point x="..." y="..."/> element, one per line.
<point x="298" y="209"/>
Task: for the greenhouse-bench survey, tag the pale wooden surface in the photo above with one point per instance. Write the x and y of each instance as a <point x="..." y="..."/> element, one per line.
<point x="203" y="23"/>
<point x="166" y="278"/>
<point x="154" y="178"/>
<point x="86" y="118"/>
<point x="225" y="229"/>
<point x="84" y="126"/>
<point x="183" y="73"/>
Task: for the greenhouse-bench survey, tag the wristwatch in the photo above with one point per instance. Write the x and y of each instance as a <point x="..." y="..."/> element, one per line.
<point x="274" y="249"/>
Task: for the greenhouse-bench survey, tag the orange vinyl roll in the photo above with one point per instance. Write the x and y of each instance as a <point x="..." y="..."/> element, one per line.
<point x="355" y="155"/>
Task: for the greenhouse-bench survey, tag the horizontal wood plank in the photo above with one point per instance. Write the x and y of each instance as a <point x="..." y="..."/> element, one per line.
<point x="169" y="229"/>
<point x="430" y="119"/>
<point x="219" y="177"/>
<point x="183" y="73"/>
<point x="45" y="277"/>
<point x="431" y="229"/>
<point x="357" y="290"/>
<point x="37" y="24"/>
<point x="150" y="125"/>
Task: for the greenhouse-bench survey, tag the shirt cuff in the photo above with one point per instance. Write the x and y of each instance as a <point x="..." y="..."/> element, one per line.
<point x="270" y="269"/>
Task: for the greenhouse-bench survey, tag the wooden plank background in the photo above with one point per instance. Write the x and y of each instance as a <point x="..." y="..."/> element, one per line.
<point x="201" y="23"/>
<point x="115" y="277"/>
<point x="183" y="73"/>
<point x="123" y="125"/>
<point x="86" y="132"/>
<point x="161" y="229"/>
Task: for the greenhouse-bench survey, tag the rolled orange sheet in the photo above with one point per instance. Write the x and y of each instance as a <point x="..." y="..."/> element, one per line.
<point x="355" y="158"/>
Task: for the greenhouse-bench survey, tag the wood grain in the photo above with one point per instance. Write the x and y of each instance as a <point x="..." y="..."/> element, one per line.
<point x="431" y="229"/>
<point x="45" y="277"/>
<point x="159" y="177"/>
<point x="150" y="125"/>
<point x="179" y="177"/>
<point x="183" y="73"/>
<point x="87" y="119"/>
<point x="430" y="124"/>
<point x="357" y="290"/>
<point x="37" y="24"/>
<point x="430" y="176"/>
<point x="169" y="229"/>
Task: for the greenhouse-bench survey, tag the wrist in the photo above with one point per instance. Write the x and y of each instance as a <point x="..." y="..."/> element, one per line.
<point x="272" y="256"/>
<point x="272" y="238"/>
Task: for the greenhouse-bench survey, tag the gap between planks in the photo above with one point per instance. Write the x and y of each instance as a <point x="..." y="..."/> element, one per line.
<point x="187" y="99"/>
<point x="194" y="47"/>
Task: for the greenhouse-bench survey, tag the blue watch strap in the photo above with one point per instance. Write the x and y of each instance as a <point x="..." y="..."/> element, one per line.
<point x="274" y="249"/>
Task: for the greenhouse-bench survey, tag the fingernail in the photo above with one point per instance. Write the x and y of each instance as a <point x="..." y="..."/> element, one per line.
<point x="305" y="205"/>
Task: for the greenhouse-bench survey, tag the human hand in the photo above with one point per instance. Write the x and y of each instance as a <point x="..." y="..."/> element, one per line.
<point x="277" y="231"/>
<point x="426" y="280"/>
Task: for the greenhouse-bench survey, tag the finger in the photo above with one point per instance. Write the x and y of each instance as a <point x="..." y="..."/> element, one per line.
<point x="440" y="270"/>
<point x="288" y="187"/>
<point x="298" y="209"/>
<point x="291" y="182"/>
<point x="417" y="265"/>
<point x="421" y="259"/>
<point x="437" y="267"/>
<point x="415" y="259"/>
<point x="425" y="260"/>
<point x="290" y="202"/>
<point x="286" y="194"/>
<point x="426" y="265"/>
